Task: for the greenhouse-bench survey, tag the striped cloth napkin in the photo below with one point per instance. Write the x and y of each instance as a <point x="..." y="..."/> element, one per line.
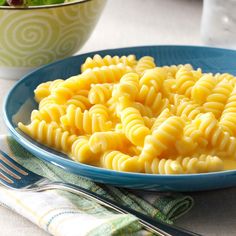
<point x="65" y="214"/>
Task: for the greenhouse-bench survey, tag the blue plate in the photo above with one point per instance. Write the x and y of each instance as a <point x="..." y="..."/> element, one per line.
<point x="20" y="102"/>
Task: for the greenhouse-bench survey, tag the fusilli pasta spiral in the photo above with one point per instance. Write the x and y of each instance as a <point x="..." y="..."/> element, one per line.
<point x="80" y="151"/>
<point x="98" y="61"/>
<point x="184" y="82"/>
<point x="49" y="114"/>
<point x="83" y="122"/>
<point x="49" y="134"/>
<point x="116" y="160"/>
<point x="184" y="165"/>
<point x="104" y="141"/>
<point x="215" y="102"/>
<point x="228" y="118"/>
<point x="162" y="138"/>
<point x="144" y="64"/>
<point x="203" y="88"/>
<point x="100" y="93"/>
<point x="134" y="127"/>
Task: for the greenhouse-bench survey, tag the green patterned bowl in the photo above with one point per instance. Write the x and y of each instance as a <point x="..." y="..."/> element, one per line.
<point x="34" y="36"/>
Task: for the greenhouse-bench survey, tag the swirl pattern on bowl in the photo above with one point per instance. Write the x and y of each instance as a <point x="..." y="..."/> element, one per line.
<point x="30" y="38"/>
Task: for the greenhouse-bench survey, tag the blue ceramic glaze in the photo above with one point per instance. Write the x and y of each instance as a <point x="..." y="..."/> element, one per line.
<point x="20" y="102"/>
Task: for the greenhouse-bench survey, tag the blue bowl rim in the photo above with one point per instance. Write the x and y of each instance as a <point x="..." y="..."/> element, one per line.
<point x="95" y="169"/>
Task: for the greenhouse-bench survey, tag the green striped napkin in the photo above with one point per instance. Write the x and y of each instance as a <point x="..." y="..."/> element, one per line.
<point x="62" y="213"/>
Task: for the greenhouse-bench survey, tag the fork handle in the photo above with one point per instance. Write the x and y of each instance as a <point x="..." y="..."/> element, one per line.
<point x="147" y="222"/>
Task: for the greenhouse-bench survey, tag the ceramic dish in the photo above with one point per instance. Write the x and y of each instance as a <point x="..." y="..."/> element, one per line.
<point x="37" y="35"/>
<point x="20" y="102"/>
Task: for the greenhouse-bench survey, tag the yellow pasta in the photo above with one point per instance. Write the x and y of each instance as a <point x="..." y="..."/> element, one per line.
<point x="144" y="64"/>
<point x="185" y="81"/>
<point x="104" y="141"/>
<point x="49" y="134"/>
<point x="161" y="118"/>
<point x="228" y="118"/>
<point x="80" y="100"/>
<point x="143" y="109"/>
<point x="100" y="93"/>
<point x="208" y="128"/>
<point x="226" y="76"/>
<point x="49" y="114"/>
<point x="162" y="138"/>
<point x="81" y="152"/>
<point x="184" y="165"/>
<point x="116" y="160"/>
<point x="203" y="88"/>
<point x="134" y="127"/>
<point x="44" y="89"/>
<point x="129" y="115"/>
<point x="215" y="102"/>
<point x="83" y="122"/>
<point x="152" y="99"/>
<point x="154" y="78"/>
<point x="105" y="74"/>
<point x="100" y="111"/>
<point x="98" y="61"/>
<point x="184" y="107"/>
<point x="128" y="87"/>
<point x="50" y="100"/>
<point x="173" y="69"/>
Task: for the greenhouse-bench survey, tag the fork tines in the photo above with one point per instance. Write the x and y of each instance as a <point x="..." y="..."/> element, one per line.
<point x="9" y="169"/>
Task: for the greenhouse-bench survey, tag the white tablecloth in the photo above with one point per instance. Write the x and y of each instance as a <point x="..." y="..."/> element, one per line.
<point x="146" y="22"/>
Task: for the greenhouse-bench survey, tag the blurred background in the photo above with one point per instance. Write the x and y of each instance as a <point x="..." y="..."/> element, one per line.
<point x="147" y="22"/>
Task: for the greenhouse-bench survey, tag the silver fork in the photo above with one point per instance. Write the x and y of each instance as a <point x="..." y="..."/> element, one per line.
<point x="14" y="176"/>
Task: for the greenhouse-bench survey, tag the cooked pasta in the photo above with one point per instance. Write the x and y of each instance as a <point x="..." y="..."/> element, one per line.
<point x="203" y="88"/>
<point x="154" y="78"/>
<point x="127" y="114"/>
<point x="209" y="129"/>
<point x="152" y="99"/>
<point x="83" y="122"/>
<point x="184" y="107"/>
<point x="216" y="101"/>
<point x="128" y="87"/>
<point x="44" y="89"/>
<point x="230" y="78"/>
<point x="173" y="69"/>
<point x="149" y="121"/>
<point x="99" y="110"/>
<point x="49" y="114"/>
<point x="50" y="100"/>
<point x="144" y="64"/>
<point x="116" y="160"/>
<point x="134" y="126"/>
<point x="49" y="134"/>
<point x="105" y="74"/>
<point x="161" y="118"/>
<point x="81" y="152"/>
<point x="98" y="61"/>
<point x="162" y="138"/>
<point x="184" y="165"/>
<point x="143" y="109"/>
<point x="185" y="81"/>
<point x="104" y="141"/>
<point x="100" y="93"/>
<point x="80" y="100"/>
<point x="228" y="118"/>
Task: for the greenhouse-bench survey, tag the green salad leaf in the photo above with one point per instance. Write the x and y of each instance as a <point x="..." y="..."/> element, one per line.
<point x="3" y="2"/>
<point x="42" y="2"/>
